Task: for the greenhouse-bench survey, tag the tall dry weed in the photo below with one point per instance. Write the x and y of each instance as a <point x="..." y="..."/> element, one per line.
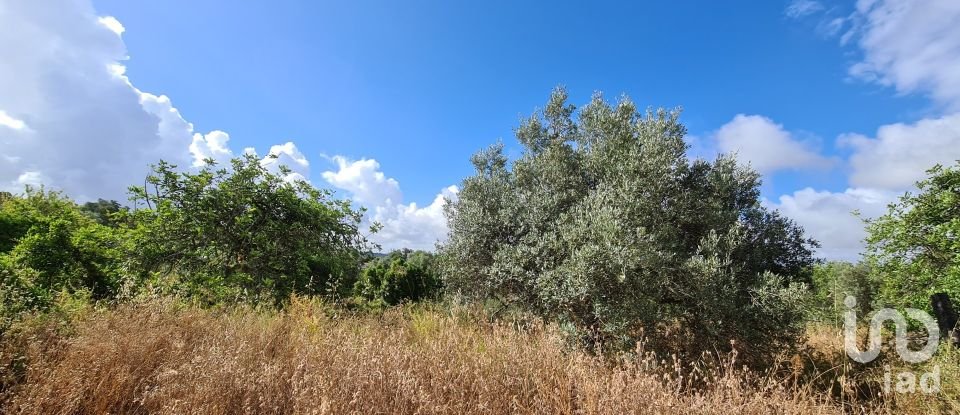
<point x="159" y="357"/>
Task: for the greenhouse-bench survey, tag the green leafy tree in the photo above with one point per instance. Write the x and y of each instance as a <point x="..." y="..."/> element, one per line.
<point x="244" y="231"/>
<point x="49" y="246"/>
<point x="401" y="276"/>
<point x="915" y="247"/>
<point x="103" y="211"/>
<point x="604" y="224"/>
<point x="834" y="281"/>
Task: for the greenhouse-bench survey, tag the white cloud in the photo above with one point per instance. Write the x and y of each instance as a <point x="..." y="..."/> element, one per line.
<point x="409" y="226"/>
<point x="828" y="217"/>
<point x="12" y="123"/>
<point x="71" y="118"/>
<point x="911" y="45"/>
<point x="880" y="169"/>
<point x="288" y="155"/>
<point x="364" y="180"/>
<point x="89" y="133"/>
<point x="831" y="26"/>
<point x="31" y="178"/>
<point x="212" y="145"/>
<point x="900" y="154"/>
<point x="767" y="145"/>
<point x="404" y="225"/>
<point x="802" y="8"/>
<point x="111" y="23"/>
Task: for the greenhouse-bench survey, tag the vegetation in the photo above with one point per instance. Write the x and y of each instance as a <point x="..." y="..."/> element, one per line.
<point x="833" y="282"/>
<point x="48" y="247"/>
<point x="243" y="231"/>
<point x="605" y="225"/>
<point x="602" y="271"/>
<point x="167" y="357"/>
<point x="400" y="277"/>
<point x="915" y="247"/>
<point x="215" y="235"/>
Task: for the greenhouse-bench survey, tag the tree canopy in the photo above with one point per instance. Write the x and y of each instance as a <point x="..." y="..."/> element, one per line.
<point x="401" y="276"/>
<point x="915" y="246"/>
<point x="605" y="224"/>
<point x="247" y="230"/>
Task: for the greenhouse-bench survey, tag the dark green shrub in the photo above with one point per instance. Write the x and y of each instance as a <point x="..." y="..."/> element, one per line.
<point x="402" y="276"/>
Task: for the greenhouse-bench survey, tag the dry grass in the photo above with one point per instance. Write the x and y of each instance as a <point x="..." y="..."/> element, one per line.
<point x="163" y="358"/>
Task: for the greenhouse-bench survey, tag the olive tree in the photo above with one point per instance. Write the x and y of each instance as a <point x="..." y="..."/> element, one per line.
<point x="605" y="225"/>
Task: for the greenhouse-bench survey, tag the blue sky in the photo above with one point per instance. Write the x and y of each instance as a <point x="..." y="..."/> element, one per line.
<point x="385" y="101"/>
<point x="419" y="86"/>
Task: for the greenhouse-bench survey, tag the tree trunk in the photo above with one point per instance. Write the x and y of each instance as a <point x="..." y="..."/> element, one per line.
<point x="946" y="317"/>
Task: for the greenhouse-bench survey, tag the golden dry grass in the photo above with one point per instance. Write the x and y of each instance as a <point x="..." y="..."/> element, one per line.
<point x="162" y="358"/>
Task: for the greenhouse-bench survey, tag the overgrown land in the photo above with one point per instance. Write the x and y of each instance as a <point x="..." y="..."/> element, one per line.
<point x="601" y="271"/>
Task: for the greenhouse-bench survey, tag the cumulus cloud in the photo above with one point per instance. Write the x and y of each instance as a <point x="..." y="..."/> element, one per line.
<point x="288" y="155"/>
<point x="364" y="180"/>
<point x="210" y="146"/>
<point x="829" y="217"/>
<point x="72" y="120"/>
<point x="410" y="226"/>
<point x="913" y="46"/>
<point x="69" y="117"/>
<point x="404" y="225"/>
<point x="767" y="145"/>
<point x="880" y="168"/>
<point x="900" y="154"/>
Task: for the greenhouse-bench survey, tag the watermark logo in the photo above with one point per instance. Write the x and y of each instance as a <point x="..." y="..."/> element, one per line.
<point x="907" y="381"/>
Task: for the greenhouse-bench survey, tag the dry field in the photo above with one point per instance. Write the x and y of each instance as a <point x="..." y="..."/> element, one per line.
<point x="161" y="357"/>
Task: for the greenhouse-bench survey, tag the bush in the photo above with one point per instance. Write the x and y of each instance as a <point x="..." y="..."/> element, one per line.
<point x="243" y="231"/>
<point x="18" y="294"/>
<point x="402" y="276"/>
<point x="604" y="224"/>
<point x="48" y="243"/>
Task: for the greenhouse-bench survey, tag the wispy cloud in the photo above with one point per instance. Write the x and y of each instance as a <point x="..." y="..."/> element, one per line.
<point x="802" y="8"/>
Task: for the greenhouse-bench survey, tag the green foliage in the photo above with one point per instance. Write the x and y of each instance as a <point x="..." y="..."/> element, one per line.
<point x="243" y="231"/>
<point x="18" y="294"/>
<point x="50" y="248"/>
<point x="402" y="276"/>
<point x="833" y="282"/>
<point x="915" y="247"/>
<point x="103" y="211"/>
<point x="49" y="235"/>
<point x="604" y="224"/>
